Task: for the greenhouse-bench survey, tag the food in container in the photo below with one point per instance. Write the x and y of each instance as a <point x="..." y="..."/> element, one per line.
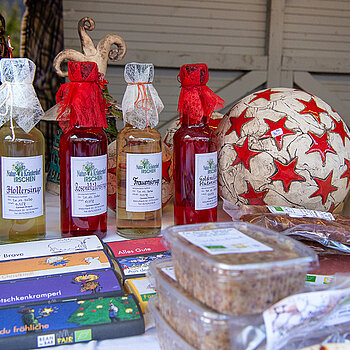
<point x="238" y="268"/>
<point x="168" y="338"/>
<point x="199" y="325"/>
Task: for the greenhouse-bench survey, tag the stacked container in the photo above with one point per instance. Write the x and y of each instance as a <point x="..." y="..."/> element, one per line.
<point x="224" y="271"/>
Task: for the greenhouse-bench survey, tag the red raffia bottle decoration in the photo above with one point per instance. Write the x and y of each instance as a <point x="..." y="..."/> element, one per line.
<point x="80" y="102"/>
<point x="196" y="99"/>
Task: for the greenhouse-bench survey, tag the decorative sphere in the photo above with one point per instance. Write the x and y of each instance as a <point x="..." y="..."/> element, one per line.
<point x="284" y="147"/>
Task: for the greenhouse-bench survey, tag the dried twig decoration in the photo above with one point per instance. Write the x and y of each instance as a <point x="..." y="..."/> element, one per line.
<point x="99" y="54"/>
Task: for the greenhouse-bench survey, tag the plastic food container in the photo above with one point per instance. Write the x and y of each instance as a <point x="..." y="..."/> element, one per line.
<point x="238" y="268"/>
<point x="199" y="325"/>
<point x="168" y="338"/>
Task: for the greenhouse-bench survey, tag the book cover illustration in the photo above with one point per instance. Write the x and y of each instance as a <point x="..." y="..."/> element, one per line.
<point x="137" y="266"/>
<point x="81" y="316"/>
<point x="57" y="264"/>
<point x="81" y="284"/>
<point x="50" y="247"/>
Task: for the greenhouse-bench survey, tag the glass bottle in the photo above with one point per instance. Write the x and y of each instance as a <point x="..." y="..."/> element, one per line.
<point x="83" y="153"/>
<point x="139" y="157"/>
<point x="195" y="150"/>
<point x="84" y="144"/>
<point x="22" y="151"/>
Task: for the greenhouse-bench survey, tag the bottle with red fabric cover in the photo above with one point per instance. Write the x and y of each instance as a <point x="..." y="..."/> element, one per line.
<point x="195" y="149"/>
<point x="83" y="152"/>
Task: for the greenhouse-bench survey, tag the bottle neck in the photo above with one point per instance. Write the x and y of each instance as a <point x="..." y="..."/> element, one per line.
<point x="187" y="120"/>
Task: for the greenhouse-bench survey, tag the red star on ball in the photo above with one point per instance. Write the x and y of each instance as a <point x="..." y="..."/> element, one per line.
<point x="165" y="170"/>
<point x="325" y="187"/>
<point x="254" y="197"/>
<point x="339" y="129"/>
<point x="320" y="145"/>
<point x="346" y="173"/>
<point x="277" y="130"/>
<point x="312" y="108"/>
<point x="244" y="154"/>
<point x="264" y="94"/>
<point x="237" y="123"/>
<point x="286" y="173"/>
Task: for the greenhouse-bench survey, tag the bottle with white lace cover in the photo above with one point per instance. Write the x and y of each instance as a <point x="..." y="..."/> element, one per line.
<point x="139" y="156"/>
<point x="22" y="151"/>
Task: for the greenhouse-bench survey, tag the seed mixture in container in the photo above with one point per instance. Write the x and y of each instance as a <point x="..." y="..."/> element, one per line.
<point x="237" y="268"/>
<point x="168" y="338"/>
<point x="199" y="325"/>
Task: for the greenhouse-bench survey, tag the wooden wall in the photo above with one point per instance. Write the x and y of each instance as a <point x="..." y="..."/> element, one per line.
<point x="247" y="44"/>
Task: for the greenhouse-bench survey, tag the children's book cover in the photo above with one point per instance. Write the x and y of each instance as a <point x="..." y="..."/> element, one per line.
<point x="137" y="265"/>
<point x="48" y="247"/>
<point x="57" y="264"/>
<point x="70" y="322"/>
<point x="81" y="284"/>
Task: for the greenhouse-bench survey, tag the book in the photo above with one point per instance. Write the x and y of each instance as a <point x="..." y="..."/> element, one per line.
<point x="54" y="265"/>
<point x="83" y="285"/>
<point x="69" y="322"/>
<point x="133" y="257"/>
<point x="50" y="247"/>
<point x="141" y="288"/>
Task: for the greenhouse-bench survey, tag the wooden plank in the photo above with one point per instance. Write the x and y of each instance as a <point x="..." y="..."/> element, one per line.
<point x="189" y="39"/>
<point x="316" y="29"/>
<point x="313" y="45"/>
<point x="315" y="20"/>
<point x="318" y="54"/>
<point x="328" y="5"/>
<point x="253" y="6"/>
<point x="275" y="23"/>
<point x="99" y="32"/>
<point x="307" y="82"/>
<point x="336" y="38"/>
<point x="171" y="11"/>
<point x="119" y="19"/>
<point x="229" y="4"/>
<point x="286" y="78"/>
<point x="242" y="86"/>
<point x="317" y="64"/>
<point x="317" y="11"/>
<point x="214" y="61"/>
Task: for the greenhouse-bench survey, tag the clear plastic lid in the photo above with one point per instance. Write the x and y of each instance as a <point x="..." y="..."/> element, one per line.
<point x="239" y="248"/>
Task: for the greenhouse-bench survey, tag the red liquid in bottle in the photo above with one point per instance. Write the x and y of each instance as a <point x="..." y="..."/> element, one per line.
<point x="79" y="142"/>
<point x="188" y="141"/>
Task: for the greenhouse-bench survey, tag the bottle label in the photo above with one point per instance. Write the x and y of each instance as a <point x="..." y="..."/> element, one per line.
<point x="206" y="187"/>
<point x="301" y="213"/>
<point x="143" y="182"/>
<point x="22" y="187"/>
<point x="224" y="241"/>
<point x="89" y="185"/>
